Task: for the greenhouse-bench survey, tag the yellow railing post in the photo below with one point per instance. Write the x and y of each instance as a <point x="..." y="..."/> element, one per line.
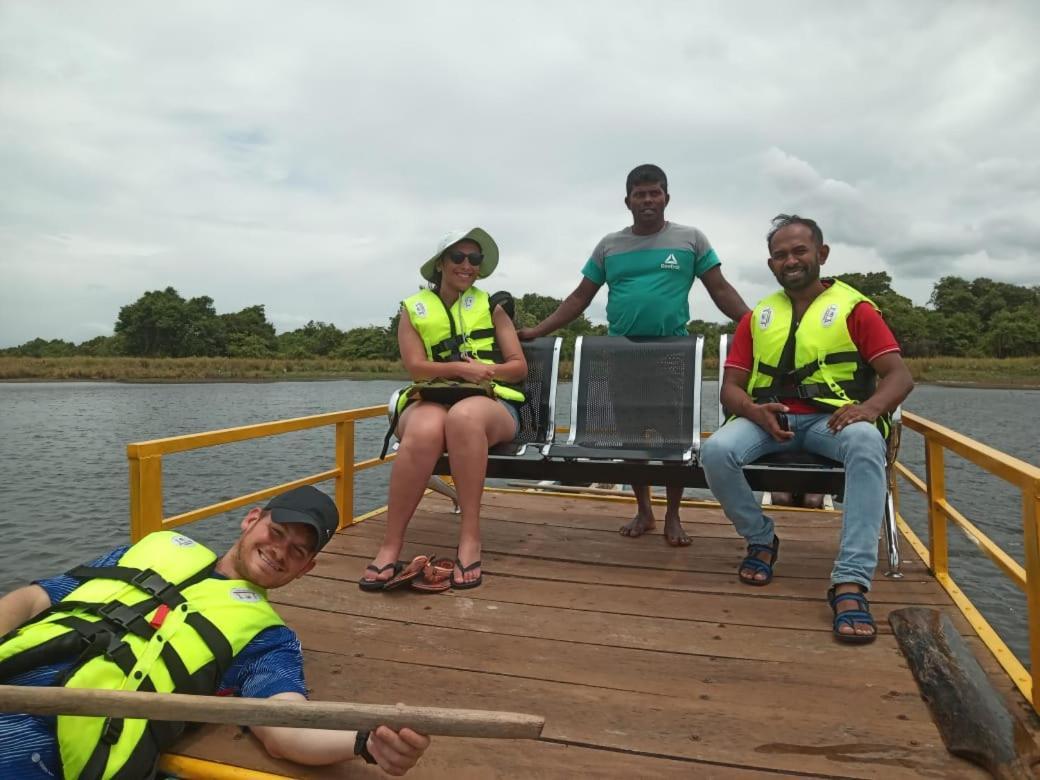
<point x="1030" y="515"/>
<point x="146" y="494"/>
<point x="937" y="540"/>
<point x="345" y="468"/>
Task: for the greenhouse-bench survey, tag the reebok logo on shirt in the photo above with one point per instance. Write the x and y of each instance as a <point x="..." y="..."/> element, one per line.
<point x="671" y="263"/>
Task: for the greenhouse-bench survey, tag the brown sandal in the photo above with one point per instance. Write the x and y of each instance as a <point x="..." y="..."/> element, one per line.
<point x="436" y="576"/>
<point x="408" y="573"/>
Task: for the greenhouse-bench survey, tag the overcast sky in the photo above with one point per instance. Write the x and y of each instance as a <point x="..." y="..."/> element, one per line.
<point x="307" y="155"/>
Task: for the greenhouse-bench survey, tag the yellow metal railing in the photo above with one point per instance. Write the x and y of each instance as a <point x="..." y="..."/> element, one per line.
<point x="146" y="507"/>
<point x="146" y="484"/>
<point x="936" y="554"/>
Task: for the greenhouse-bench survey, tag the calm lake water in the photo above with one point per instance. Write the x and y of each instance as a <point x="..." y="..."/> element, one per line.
<point x="64" y="476"/>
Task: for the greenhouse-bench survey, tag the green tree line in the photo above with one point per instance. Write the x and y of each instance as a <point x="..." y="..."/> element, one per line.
<point x="979" y="318"/>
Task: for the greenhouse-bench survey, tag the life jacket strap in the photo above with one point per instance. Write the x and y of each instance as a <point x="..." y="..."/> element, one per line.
<point x="447" y="349"/>
<point x="183" y="681"/>
<point x="768" y="370"/>
<point x="223" y="652"/>
<point x="805" y="392"/>
<point x="98" y="639"/>
<point x="128" y="619"/>
<point x="94" y="767"/>
<point x="809" y="392"/>
<point x="147" y="580"/>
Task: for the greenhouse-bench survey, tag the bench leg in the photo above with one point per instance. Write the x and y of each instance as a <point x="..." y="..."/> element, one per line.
<point x="438" y="485"/>
<point x="891" y="535"/>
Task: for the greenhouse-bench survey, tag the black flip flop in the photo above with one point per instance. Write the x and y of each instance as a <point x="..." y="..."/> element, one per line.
<point x="463" y="585"/>
<point x="371" y="586"/>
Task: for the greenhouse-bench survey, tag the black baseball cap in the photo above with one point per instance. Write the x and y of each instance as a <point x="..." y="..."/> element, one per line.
<point x="308" y="505"/>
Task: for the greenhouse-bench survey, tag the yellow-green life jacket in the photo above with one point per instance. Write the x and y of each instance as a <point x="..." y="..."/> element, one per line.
<point x="156" y="621"/>
<point x="814" y="359"/>
<point x="466" y="329"/>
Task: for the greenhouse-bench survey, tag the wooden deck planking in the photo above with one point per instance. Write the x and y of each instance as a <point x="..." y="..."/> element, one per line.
<point x="646" y="660"/>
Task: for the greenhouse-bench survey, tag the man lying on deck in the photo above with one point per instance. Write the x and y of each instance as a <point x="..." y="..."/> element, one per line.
<point x="801" y="376"/>
<point x="94" y="626"/>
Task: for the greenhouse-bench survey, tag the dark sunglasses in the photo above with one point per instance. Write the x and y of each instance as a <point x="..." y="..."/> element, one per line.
<point x="475" y="258"/>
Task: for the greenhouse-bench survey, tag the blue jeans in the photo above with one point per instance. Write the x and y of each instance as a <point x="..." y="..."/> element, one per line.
<point x="860" y="447"/>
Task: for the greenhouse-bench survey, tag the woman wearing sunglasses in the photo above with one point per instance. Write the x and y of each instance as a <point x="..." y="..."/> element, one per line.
<point x="452" y="331"/>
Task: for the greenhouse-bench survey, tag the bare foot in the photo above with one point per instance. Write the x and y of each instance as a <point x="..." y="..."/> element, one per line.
<point x="674" y="533"/>
<point x="638" y="526"/>
<point x="813" y="501"/>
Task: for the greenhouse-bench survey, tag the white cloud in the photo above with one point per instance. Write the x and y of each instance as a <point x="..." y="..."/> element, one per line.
<point x="308" y="157"/>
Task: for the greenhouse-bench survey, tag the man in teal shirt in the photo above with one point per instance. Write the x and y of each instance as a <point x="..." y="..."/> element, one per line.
<point x="649" y="269"/>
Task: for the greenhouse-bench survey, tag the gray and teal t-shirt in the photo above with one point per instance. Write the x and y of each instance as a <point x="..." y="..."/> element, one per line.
<point x="649" y="278"/>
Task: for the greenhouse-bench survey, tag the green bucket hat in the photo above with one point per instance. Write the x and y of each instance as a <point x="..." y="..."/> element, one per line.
<point x="486" y="243"/>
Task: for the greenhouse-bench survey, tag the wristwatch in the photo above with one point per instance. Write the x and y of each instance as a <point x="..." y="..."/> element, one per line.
<point x="361" y="747"/>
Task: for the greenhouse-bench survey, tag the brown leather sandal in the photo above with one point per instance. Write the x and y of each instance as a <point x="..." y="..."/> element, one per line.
<point x="408" y="573"/>
<point x="436" y="576"/>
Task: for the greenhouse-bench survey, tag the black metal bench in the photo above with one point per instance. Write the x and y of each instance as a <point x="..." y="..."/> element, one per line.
<point x="635" y="415"/>
<point x="636" y="418"/>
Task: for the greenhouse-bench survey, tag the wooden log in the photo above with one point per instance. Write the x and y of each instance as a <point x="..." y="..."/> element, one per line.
<point x="972" y="718"/>
<point x="351" y="716"/>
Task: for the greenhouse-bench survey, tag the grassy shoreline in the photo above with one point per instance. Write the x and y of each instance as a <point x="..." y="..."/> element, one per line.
<point x="951" y="371"/>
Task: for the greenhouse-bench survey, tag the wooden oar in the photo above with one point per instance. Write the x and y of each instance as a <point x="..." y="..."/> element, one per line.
<point x="268" y="712"/>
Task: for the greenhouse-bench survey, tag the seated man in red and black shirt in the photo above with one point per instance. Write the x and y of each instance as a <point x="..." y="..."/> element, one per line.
<point x="814" y="367"/>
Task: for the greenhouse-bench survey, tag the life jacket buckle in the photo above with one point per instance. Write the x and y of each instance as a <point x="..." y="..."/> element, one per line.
<point x="124" y="617"/>
<point x="156" y="585"/>
<point x="119" y="653"/>
<point x="111" y="731"/>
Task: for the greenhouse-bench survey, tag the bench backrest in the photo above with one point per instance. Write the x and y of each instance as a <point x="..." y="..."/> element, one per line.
<point x="538" y="412"/>
<point x="634" y="393"/>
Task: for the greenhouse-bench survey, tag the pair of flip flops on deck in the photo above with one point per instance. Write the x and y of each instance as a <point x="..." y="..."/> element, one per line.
<point x="425" y="573"/>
